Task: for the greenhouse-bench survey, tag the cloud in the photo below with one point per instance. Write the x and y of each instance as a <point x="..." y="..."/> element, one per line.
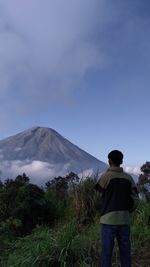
<point x="132" y="169"/>
<point x="86" y="173"/>
<point x="38" y="171"/>
<point x="46" y="49"/>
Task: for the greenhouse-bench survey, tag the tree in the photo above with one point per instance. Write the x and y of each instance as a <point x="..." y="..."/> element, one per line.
<point x="146" y="168"/>
<point x="145" y="176"/>
<point x="61" y="184"/>
<point x="22" y="179"/>
<point x="25" y="202"/>
<point x="72" y="178"/>
<point x="144" y="181"/>
<point x="30" y="205"/>
<point x="58" y="193"/>
<point x="1" y="184"/>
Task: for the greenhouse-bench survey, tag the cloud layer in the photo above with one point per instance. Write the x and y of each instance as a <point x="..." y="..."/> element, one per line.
<point x="46" y="48"/>
<point x="133" y="169"/>
<point x="38" y="171"/>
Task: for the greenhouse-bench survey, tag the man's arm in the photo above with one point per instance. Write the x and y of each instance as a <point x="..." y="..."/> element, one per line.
<point x="134" y="196"/>
<point x="102" y="183"/>
<point x="98" y="188"/>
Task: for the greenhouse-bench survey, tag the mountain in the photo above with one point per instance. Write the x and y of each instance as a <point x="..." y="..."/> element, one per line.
<point x="42" y="151"/>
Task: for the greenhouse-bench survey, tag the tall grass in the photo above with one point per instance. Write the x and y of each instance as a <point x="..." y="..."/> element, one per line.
<point x="65" y="247"/>
<point x="141" y="225"/>
<point x="71" y="246"/>
<point x="85" y="201"/>
<point x="75" y="242"/>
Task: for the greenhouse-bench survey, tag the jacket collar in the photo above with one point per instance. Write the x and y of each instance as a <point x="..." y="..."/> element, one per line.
<point x="115" y="169"/>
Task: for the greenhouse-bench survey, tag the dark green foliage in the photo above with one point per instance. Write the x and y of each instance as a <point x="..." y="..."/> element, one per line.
<point x="140" y="234"/>
<point x="68" y="245"/>
<point x="144" y="181"/>
<point x="58" y="226"/>
<point x="22" y="179"/>
<point x="61" y="247"/>
<point x="1" y="184"/>
<point x="56" y="204"/>
<point x="62" y="184"/>
<point x="58" y="194"/>
<point x="31" y="205"/>
<point x="145" y="168"/>
<point x="26" y="202"/>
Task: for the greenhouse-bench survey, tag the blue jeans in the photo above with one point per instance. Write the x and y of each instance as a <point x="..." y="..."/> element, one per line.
<point x="108" y="235"/>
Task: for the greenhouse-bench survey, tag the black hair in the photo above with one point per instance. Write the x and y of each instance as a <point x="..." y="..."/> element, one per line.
<point x="116" y="157"/>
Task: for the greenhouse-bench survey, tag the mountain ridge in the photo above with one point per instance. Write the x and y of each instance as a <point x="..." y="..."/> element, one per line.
<point x="43" y="144"/>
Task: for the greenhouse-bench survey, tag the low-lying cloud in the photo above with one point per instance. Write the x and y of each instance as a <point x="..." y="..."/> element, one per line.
<point x="39" y="172"/>
<point x="133" y="169"/>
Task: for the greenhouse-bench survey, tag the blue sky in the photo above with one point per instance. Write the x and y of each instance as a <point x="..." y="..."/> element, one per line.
<point x="81" y="67"/>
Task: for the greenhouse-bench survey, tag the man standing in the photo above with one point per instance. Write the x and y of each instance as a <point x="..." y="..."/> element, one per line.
<point x="119" y="199"/>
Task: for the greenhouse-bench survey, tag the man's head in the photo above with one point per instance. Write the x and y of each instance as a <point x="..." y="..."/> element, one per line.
<point x="115" y="158"/>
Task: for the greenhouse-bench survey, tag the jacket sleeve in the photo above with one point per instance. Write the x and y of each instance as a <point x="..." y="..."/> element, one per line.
<point x="102" y="183"/>
<point x="134" y="196"/>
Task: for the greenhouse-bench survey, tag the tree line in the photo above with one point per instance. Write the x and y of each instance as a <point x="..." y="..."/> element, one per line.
<point x="24" y="205"/>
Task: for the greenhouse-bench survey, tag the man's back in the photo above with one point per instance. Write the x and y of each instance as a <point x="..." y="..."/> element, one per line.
<point x="117" y="196"/>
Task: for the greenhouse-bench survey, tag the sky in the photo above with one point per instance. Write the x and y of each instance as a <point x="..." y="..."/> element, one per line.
<point x="81" y="67"/>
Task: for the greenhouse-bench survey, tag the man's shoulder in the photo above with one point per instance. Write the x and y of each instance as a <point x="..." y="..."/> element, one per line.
<point x="104" y="179"/>
<point x="127" y="176"/>
<point x="119" y="173"/>
<point x="105" y="175"/>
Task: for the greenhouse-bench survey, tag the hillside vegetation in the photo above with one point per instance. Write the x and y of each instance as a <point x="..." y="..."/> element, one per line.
<point x="59" y="225"/>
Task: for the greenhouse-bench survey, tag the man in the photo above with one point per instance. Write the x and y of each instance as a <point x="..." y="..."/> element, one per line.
<point x="119" y="199"/>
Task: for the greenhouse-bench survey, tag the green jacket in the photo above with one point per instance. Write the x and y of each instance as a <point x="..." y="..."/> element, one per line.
<point x="119" y="196"/>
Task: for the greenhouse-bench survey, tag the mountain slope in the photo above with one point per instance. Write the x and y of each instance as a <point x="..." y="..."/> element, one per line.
<point x="46" y="145"/>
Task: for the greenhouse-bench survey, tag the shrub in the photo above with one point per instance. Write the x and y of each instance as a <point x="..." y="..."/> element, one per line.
<point x="85" y="201"/>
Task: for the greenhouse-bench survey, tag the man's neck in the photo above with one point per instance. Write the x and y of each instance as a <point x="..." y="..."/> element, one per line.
<point x="114" y="166"/>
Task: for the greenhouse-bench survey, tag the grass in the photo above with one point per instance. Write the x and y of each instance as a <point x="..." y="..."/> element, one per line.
<point x="73" y="245"/>
<point x="65" y="247"/>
